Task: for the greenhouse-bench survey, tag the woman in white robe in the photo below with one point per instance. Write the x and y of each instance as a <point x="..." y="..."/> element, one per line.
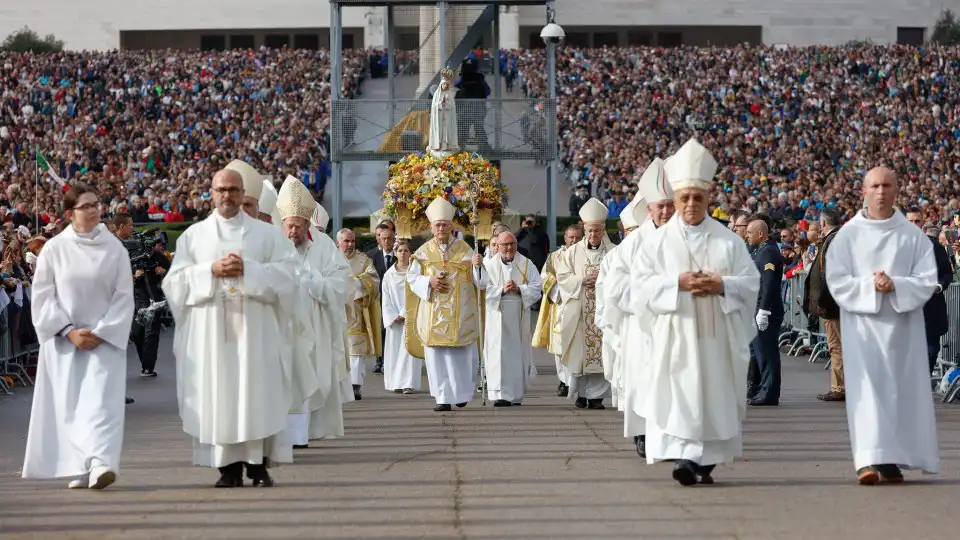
<point x="82" y="311"/>
<point x="401" y="371"/>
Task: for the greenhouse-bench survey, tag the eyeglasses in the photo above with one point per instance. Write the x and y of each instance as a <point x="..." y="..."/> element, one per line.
<point x="87" y="207"/>
<point x="230" y="190"/>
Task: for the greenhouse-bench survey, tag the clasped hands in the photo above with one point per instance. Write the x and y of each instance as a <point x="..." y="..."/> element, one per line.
<point x="590" y="281"/>
<point x="228" y="266"/>
<point x="511" y="287"/>
<point x="439" y="284"/>
<point x="85" y="340"/>
<point x="702" y="283"/>
<point x="882" y="282"/>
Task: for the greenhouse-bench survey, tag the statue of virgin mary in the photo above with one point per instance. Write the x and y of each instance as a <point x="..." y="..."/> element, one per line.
<point x="443" y="117"/>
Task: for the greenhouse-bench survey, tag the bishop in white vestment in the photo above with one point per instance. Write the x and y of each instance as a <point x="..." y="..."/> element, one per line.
<point x="401" y="370"/>
<point x="442" y="317"/>
<point x="317" y="319"/>
<point x="611" y="319"/>
<point x="881" y="271"/>
<point x="657" y="197"/>
<point x="512" y="285"/>
<point x="82" y="312"/>
<point x="576" y="334"/>
<point x="695" y="292"/>
<point x="231" y="277"/>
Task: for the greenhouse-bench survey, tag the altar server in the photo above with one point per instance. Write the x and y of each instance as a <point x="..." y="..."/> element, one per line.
<point x="401" y="370"/>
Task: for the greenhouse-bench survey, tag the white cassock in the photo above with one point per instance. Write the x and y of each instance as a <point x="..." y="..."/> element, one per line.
<point x="507" y="354"/>
<point x="633" y="342"/>
<point x="694" y="383"/>
<point x="233" y="368"/>
<point x="889" y="406"/>
<point x="401" y="370"/>
<point x="76" y="422"/>
<point x="451" y="371"/>
<point x="608" y="321"/>
<point x="321" y="291"/>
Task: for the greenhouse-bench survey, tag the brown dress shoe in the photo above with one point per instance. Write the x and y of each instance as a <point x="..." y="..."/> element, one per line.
<point x="832" y="396"/>
<point x="868" y="476"/>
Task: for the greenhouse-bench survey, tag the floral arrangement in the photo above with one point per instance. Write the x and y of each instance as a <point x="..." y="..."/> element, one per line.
<point x="420" y="178"/>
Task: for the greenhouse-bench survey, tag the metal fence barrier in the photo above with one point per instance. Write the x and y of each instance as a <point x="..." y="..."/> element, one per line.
<point x="14" y="364"/>
<point x="806" y="336"/>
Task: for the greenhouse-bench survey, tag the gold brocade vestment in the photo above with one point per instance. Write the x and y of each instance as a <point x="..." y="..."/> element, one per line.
<point x="363" y="314"/>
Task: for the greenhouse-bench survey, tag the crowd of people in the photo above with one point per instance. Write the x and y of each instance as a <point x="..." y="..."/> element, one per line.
<point x="148" y="129"/>
<point x="793" y="129"/>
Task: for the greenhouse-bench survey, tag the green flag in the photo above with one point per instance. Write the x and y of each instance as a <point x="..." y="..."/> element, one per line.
<point x="44" y="165"/>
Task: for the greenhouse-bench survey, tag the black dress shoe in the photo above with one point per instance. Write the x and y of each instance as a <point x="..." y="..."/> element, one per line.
<point x="595" y="404"/>
<point x="443" y="408"/>
<point x="259" y="474"/>
<point x="264" y="481"/>
<point x="356" y="392"/>
<point x="580" y="403"/>
<point x="461" y="405"/>
<point x="562" y="390"/>
<point x="300" y="446"/>
<point x="704" y="474"/>
<point x="228" y="481"/>
<point x="641" y="443"/>
<point x="129" y="400"/>
<point x="501" y="403"/>
<point x="685" y="473"/>
<point x="761" y="401"/>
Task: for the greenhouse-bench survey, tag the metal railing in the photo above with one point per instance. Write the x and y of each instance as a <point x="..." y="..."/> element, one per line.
<point x="14" y="364"/>
<point x="805" y="336"/>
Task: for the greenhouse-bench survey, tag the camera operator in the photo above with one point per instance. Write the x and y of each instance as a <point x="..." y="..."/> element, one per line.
<point x="149" y="267"/>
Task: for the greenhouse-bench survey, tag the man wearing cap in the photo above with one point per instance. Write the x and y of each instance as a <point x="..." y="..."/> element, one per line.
<point x="577" y="333"/>
<point x="317" y="321"/>
<point x="252" y="186"/>
<point x="608" y="316"/>
<point x="549" y="309"/>
<point x="695" y="292"/>
<point x="230" y="280"/>
<point x="363" y="309"/>
<point x="442" y="310"/>
<point x="657" y="208"/>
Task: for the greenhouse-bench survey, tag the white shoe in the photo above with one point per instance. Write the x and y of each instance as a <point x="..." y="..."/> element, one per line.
<point x="101" y="477"/>
<point x="79" y="482"/>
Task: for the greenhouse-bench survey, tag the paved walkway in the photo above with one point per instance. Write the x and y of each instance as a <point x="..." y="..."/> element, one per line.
<point x="544" y="470"/>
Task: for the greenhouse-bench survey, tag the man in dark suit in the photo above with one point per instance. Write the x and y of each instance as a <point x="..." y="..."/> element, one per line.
<point x="769" y="316"/>
<point x="935" y="310"/>
<point x="383" y="258"/>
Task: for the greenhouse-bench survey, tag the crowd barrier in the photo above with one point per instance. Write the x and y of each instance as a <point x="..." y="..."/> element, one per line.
<point x="805" y="336"/>
<point x="15" y="365"/>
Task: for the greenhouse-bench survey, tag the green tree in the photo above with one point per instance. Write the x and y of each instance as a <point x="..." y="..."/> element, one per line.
<point x="26" y="40"/>
<point x="947" y="29"/>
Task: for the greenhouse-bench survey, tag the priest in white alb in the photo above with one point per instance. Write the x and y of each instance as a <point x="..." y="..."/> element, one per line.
<point x="230" y="281"/>
<point x="512" y="285"/>
<point x="695" y="292"/>
<point x="82" y="311"/>
<point x="550" y="307"/>
<point x="363" y="309"/>
<point x="401" y="370"/>
<point x="610" y="318"/>
<point x="442" y="307"/>
<point x="317" y="320"/>
<point x="657" y="196"/>
<point x="881" y="270"/>
<point x="576" y="333"/>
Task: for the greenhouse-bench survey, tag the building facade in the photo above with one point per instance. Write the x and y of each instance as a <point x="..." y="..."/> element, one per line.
<point x="211" y="24"/>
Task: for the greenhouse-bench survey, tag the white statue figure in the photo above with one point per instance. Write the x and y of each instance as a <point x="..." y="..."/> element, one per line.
<point x="443" y="116"/>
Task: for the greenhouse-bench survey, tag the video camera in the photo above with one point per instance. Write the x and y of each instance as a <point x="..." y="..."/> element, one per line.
<point x="140" y="248"/>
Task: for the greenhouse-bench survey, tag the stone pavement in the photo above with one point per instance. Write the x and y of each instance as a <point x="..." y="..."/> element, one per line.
<point x="544" y="470"/>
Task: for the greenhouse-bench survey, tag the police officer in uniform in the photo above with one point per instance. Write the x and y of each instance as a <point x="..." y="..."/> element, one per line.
<point x="765" y="387"/>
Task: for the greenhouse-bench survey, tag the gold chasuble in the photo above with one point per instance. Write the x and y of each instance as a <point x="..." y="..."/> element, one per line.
<point x="363" y="314"/>
<point x="548" y="310"/>
<point x="576" y="333"/>
<point x="448" y="319"/>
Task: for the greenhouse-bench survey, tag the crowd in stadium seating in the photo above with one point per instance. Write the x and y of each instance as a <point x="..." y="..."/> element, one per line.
<point x="149" y="128"/>
<point x="794" y="129"/>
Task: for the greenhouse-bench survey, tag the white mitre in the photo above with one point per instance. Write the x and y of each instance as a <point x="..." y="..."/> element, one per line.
<point x="268" y="198"/>
<point x="593" y="211"/>
<point x="440" y="210"/>
<point x="252" y="180"/>
<point x="634" y="214"/>
<point x="294" y="200"/>
<point x="653" y="186"/>
<point x="691" y="167"/>
<point x="320" y="218"/>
